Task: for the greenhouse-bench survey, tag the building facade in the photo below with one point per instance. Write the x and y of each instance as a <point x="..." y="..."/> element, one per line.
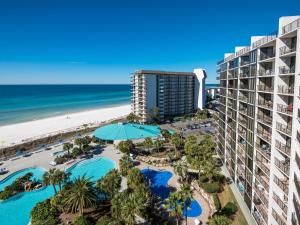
<point x="166" y="94"/>
<point x="259" y="123"/>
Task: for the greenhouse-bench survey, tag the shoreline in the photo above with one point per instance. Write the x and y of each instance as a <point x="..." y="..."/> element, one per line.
<point x="20" y="132"/>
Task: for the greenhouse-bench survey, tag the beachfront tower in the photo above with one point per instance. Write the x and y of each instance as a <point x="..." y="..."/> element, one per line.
<point x="259" y="123"/>
<point x="164" y="94"/>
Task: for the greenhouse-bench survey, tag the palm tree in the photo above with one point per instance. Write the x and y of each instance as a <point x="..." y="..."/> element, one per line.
<point x="148" y="143"/>
<point x="67" y="147"/>
<point x="187" y="197"/>
<point x="177" y="141"/>
<point x="61" y="177"/>
<point x="82" y="195"/>
<point x="181" y="170"/>
<point x="123" y="208"/>
<point x="175" y="205"/>
<point x="110" y="184"/>
<point x="125" y="164"/>
<point x="134" y="178"/>
<point x="50" y="178"/>
<point x="158" y="144"/>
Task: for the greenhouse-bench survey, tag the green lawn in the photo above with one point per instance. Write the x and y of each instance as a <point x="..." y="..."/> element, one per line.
<point x="227" y="196"/>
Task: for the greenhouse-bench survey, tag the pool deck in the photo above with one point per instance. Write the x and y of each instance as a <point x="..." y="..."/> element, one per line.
<point x="42" y="159"/>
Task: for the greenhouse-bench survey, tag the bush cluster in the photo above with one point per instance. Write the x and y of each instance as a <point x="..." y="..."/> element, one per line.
<point x="217" y="201"/>
<point x="213" y="187"/>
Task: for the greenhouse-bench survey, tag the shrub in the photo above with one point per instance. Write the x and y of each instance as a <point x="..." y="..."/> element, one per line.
<point x="230" y="209"/>
<point x="211" y="187"/>
<point x="82" y="220"/>
<point x="76" y="152"/>
<point x="202" y="179"/>
<point x="216" y="201"/>
<point x="43" y="213"/>
<point x="104" y="220"/>
<point x="219" y="220"/>
<point x="59" y="160"/>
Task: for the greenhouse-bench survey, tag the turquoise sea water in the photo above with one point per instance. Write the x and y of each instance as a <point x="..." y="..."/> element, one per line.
<point x="16" y="210"/>
<point x="20" y="103"/>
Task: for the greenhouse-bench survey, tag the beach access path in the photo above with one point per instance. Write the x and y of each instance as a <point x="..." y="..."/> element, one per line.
<point x="17" y="133"/>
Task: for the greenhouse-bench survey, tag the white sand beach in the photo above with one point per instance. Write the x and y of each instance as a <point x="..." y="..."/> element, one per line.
<point x="16" y="133"/>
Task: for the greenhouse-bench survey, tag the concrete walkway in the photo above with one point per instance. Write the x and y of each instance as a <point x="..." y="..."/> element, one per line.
<point x="239" y="199"/>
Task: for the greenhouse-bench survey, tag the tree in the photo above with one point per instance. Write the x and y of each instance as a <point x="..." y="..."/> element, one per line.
<point x="106" y="220"/>
<point x="133" y="118"/>
<point x="125" y="164"/>
<point x="76" y="152"/>
<point x="148" y="143"/>
<point x="134" y="178"/>
<point x="165" y="133"/>
<point x="67" y="147"/>
<point x="82" y="220"/>
<point x="79" y="143"/>
<point x="82" y="195"/>
<point x="50" y="177"/>
<point x="177" y="141"/>
<point x="126" y="146"/>
<point x="61" y="177"/>
<point x="175" y="205"/>
<point x="110" y="184"/>
<point x="181" y="169"/>
<point x="187" y="197"/>
<point x="158" y="143"/>
<point x="219" y="220"/>
<point x="44" y="213"/>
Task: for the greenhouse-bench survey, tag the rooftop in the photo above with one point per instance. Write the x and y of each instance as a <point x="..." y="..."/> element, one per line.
<point x="160" y="72"/>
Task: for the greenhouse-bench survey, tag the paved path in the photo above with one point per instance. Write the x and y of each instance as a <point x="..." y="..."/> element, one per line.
<point x="240" y="200"/>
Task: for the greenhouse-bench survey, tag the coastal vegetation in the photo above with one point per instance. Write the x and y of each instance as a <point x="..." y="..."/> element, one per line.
<point x="21" y="184"/>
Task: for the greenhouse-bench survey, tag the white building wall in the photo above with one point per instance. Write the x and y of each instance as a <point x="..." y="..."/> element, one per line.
<point x="200" y="93"/>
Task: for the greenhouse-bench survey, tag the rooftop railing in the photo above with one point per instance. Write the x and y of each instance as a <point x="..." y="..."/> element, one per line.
<point x="265" y="40"/>
<point x="291" y="26"/>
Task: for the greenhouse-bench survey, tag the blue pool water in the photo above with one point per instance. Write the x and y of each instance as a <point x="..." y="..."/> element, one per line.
<point x="158" y="183"/>
<point x="16" y="210"/>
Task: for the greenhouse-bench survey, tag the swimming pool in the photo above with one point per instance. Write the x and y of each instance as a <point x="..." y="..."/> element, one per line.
<point x="158" y="181"/>
<point x="16" y="210"/>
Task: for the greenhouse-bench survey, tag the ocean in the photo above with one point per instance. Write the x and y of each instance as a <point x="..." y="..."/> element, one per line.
<point x="21" y="103"/>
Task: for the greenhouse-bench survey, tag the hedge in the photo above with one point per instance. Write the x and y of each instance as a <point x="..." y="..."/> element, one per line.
<point x="211" y="187"/>
<point x="216" y="201"/>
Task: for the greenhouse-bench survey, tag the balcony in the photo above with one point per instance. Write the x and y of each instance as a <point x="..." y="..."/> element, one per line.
<point x="279" y="219"/>
<point x="262" y="211"/>
<point x="264" y="118"/>
<point x="297" y="184"/>
<point x="265" y="103"/>
<point x="244" y="86"/>
<point x="283" y="184"/>
<point x="245" y="62"/>
<point x="262" y="195"/>
<point x="265" y="135"/>
<point x="286" y="70"/>
<point x="264" y="88"/>
<point x="283" y="165"/>
<point x="264" y="180"/>
<point x="243" y="98"/>
<point x="284" y="89"/>
<point x="264" y="167"/>
<point x="264" y="150"/>
<point x="286" y="129"/>
<point x="297" y="207"/>
<point x="283" y="147"/>
<point x="287" y="109"/>
<point x="266" y="72"/>
<point x="297" y="159"/>
<point x="258" y="218"/>
<point x="286" y="50"/>
<point x="280" y="203"/>
<point x="264" y="56"/>
<point x="291" y="26"/>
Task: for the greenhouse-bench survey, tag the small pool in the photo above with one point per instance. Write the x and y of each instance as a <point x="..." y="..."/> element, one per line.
<point x="158" y="181"/>
<point x="16" y="210"/>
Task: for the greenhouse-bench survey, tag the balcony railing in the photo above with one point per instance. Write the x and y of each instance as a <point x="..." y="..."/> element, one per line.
<point x="297" y="207"/>
<point x="264" y="56"/>
<point x="263" y="87"/>
<point x="288" y="109"/>
<point x="263" y="212"/>
<point x="297" y="184"/>
<point x="284" y="89"/>
<point x="265" y="151"/>
<point x="258" y="218"/>
<point x="283" y="184"/>
<point x="283" y="165"/>
<point x="297" y="159"/>
<point x="286" y="50"/>
<point x="245" y="63"/>
<point x="263" y="180"/>
<point x="265" y="72"/>
<point x="266" y="104"/>
<point x="287" y="129"/>
<point x="283" y="147"/>
<point x="286" y="70"/>
<point x="278" y="218"/>
<point x="291" y="26"/>
<point x="243" y="98"/>
<point x="262" y="195"/>
<point x="263" y="167"/>
<point x="280" y="203"/>
<point x="264" y="118"/>
<point x="264" y="134"/>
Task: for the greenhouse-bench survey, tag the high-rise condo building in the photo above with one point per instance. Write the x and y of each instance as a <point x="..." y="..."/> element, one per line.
<point x="167" y="94"/>
<point x="259" y="123"/>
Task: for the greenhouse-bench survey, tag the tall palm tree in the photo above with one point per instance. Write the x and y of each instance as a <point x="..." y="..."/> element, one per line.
<point x="181" y="170"/>
<point x="175" y="205"/>
<point x="50" y="178"/>
<point x="158" y="144"/>
<point x="110" y="184"/>
<point x="82" y="195"/>
<point x="61" y="177"/>
<point x="177" y="141"/>
<point x="148" y="143"/>
<point x="187" y="197"/>
<point x="67" y="147"/>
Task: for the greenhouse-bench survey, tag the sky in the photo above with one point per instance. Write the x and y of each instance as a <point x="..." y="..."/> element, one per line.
<point x="103" y="42"/>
